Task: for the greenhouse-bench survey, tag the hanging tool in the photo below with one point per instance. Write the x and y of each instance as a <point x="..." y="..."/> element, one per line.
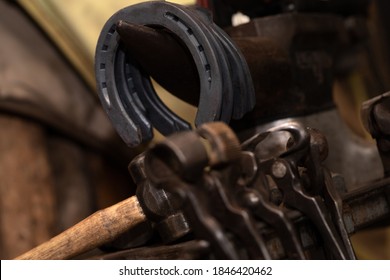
<point x="252" y="196"/>
<point x="225" y="202"/>
<point x="206" y="201"/>
<point x="226" y="90"/>
<point x="284" y="171"/>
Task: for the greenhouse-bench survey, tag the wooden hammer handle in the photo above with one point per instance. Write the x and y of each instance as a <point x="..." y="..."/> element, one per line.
<point x="99" y="228"/>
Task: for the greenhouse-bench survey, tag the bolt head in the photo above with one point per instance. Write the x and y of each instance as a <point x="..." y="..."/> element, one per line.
<point x="279" y="169"/>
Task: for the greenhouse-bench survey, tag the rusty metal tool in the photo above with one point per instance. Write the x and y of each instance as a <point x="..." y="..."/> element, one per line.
<point x="165" y="168"/>
<point x="254" y="197"/>
<point x="284" y="171"/>
<point x="207" y="202"/>
<point x="222" y="190"/>
<point x="375" y="116"/>
<point x="237" y="219"/>
<point x="211" y="179"/>
<point x="104" y="226"/>
<point x="160" y="207"/>
<point x="322" y="184"/>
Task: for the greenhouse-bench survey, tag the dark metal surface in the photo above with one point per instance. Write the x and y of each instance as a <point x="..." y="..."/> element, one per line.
<point x="376" y="118"/>
<point x="126" y="91"/>
<point x="164" y="57"/>
<point x="363" y="208"/>
<point x="159" y="206"/>
<point x="228" y="201"/>
<point x="174" y="158"/>
<point x="191" y="250"/>
<point x="368" y="206"/>
<point x="284" y="171"/>
<point x="224" y="9"/>
<point x="270" y="213"/>
<point x="299" y="82"/>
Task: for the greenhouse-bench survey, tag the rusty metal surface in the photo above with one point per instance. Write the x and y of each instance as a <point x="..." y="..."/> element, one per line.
<point x="367" y="205"/>
<point x="346" y="149"/>
<point x="159" y="206"/>
<point x="324" y="214"/>
<point x="364" y="207"/>
<point x="354" y="203"/>
<point x="375" y="113"/>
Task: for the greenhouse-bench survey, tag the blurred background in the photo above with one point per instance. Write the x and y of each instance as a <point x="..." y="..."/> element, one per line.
<point x="60" y="158"/>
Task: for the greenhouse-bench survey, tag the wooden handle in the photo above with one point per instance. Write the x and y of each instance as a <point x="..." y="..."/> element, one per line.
<point x="99" y="228"/>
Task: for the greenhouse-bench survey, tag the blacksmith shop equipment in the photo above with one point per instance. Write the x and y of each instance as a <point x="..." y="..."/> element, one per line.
<point x="270" y="170"/>
<point x="223" y="191"/>
<point x="126" y="92"/>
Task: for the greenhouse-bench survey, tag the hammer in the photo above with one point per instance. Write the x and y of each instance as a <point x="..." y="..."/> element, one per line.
<point x="218" y="145"/>
<point x="100" y="228"/>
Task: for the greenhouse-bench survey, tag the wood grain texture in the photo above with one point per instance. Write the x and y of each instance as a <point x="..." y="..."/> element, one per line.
<point x="27" y="203"/>
<point x="74" y="189"/>
<point x="99" y="228"/>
